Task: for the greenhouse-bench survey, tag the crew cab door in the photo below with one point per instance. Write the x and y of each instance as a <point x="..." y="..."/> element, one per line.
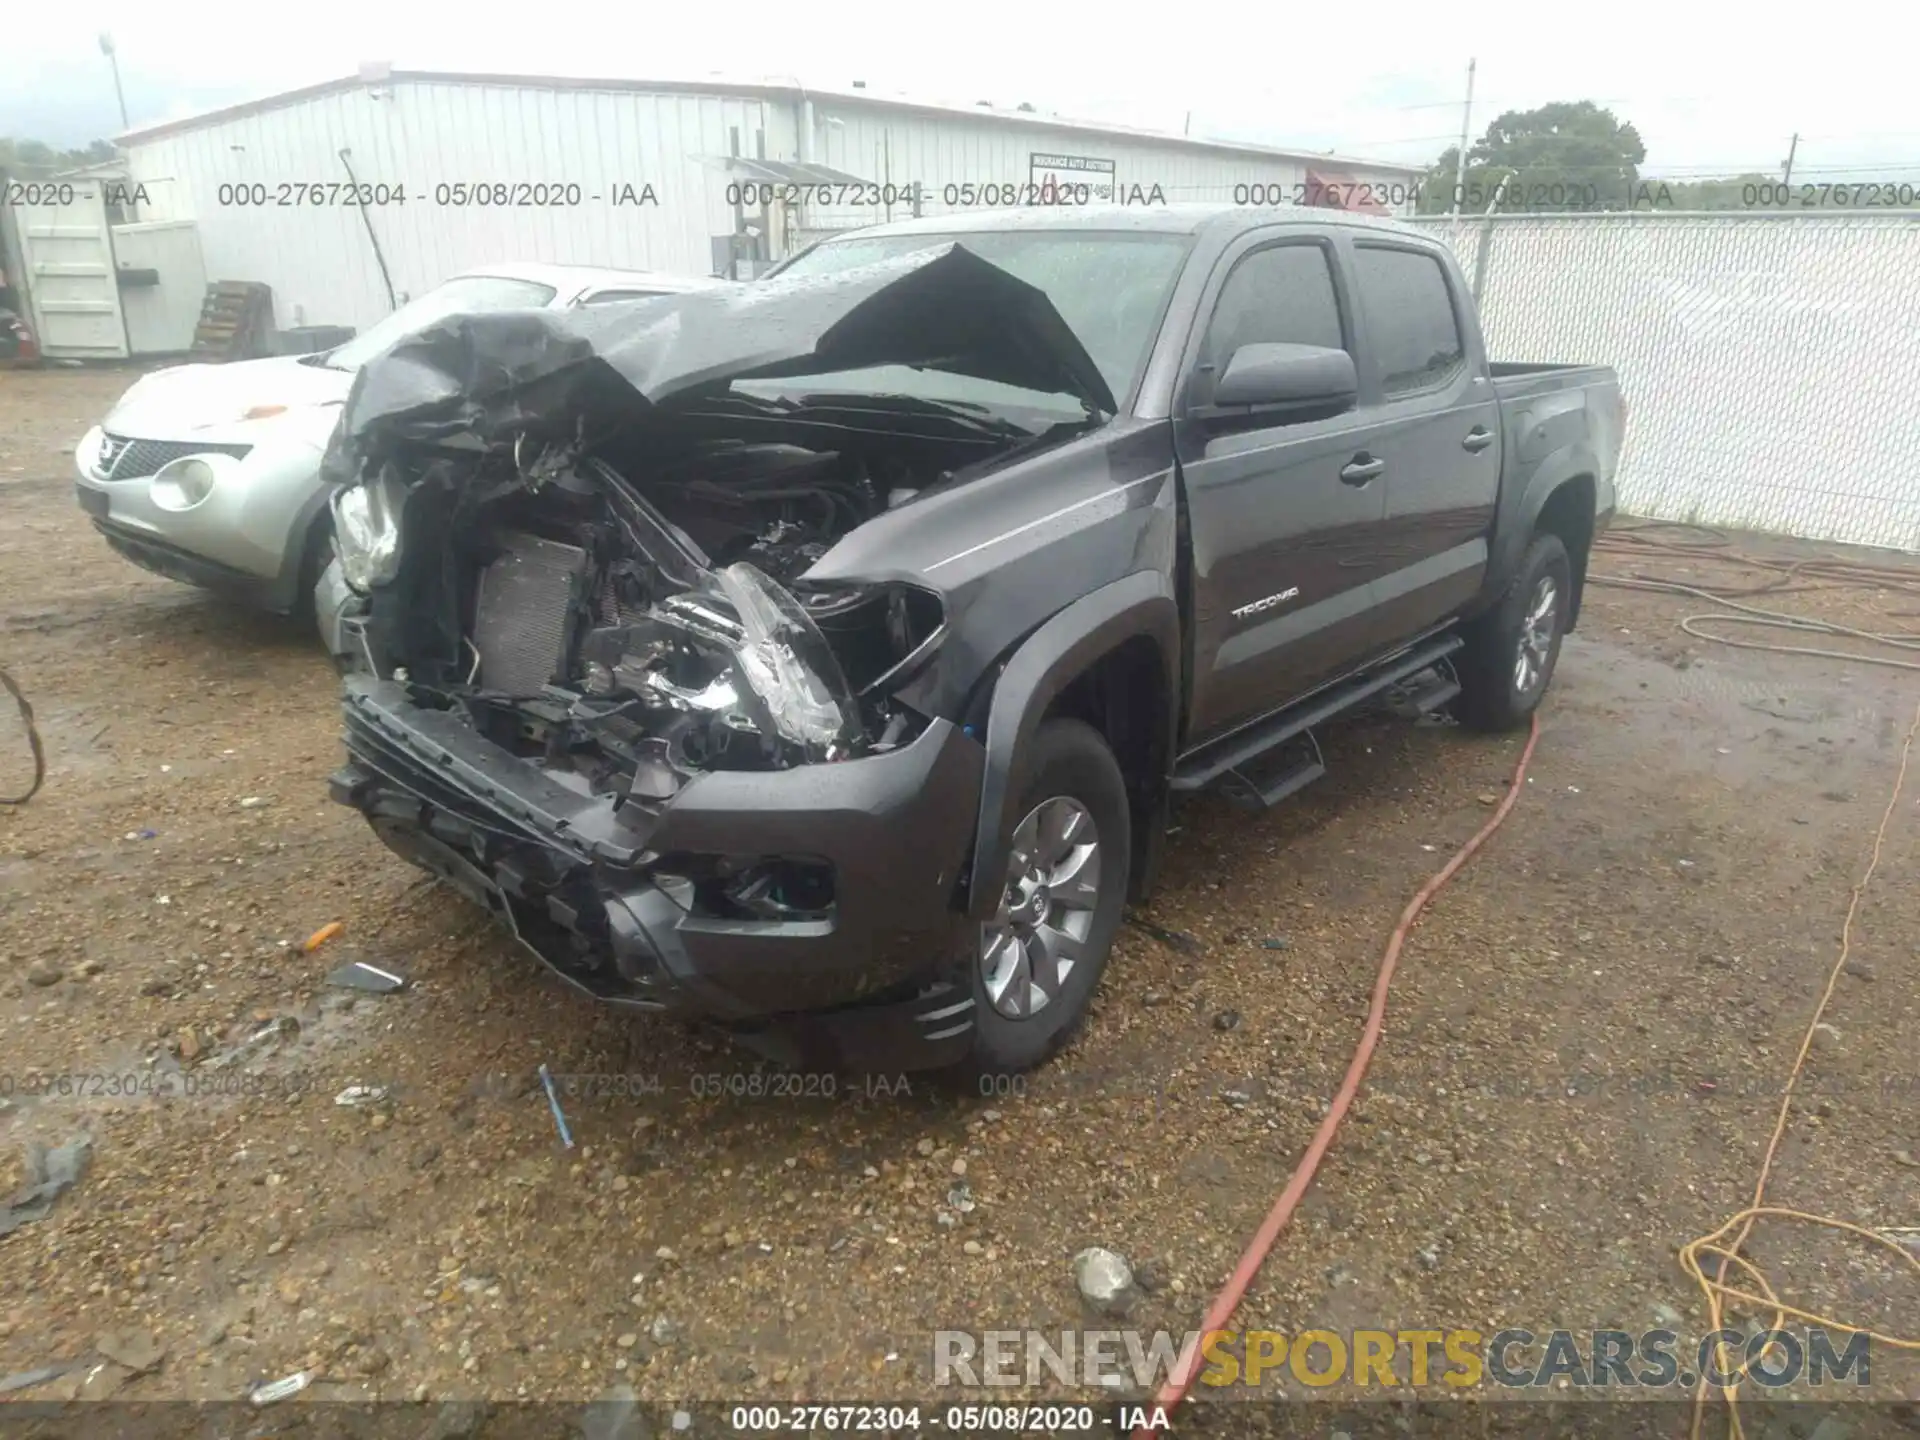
<point x="1282" y="518"/>
<point x="1437" y="428"/>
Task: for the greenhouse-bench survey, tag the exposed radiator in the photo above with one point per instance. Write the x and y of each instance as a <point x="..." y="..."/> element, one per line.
<point x="520" y="614"/>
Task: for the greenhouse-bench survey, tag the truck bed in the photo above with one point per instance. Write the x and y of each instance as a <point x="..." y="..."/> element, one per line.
<point x="1513" y="380"/>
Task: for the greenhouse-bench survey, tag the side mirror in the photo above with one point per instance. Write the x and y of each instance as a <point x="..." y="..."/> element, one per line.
<point x="1296" y="377"/>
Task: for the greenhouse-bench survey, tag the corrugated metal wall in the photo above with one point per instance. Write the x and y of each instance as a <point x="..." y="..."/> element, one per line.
<point x="939" y="151"/>
<point x="318" y="259"/>
<point x="1769" y="360"/>
<point x="423" y="134"/>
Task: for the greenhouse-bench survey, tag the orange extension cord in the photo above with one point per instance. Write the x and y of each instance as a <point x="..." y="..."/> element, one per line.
<point x="1220" y="1312"/>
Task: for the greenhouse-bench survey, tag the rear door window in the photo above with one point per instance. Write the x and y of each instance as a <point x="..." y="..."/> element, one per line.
<point x="1410" y="318"/>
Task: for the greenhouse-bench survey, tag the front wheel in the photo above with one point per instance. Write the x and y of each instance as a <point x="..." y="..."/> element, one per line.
<point x="1511" y="650"/>
<point x="1037" y="961"/>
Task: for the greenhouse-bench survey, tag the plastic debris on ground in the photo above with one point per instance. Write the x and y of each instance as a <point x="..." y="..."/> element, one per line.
<point x="279" y="1389"/>
<point x="361" y="976"/>
<point x="1178" y="940"/>
<point x="322" y="935"/>
<point x="361" y="1095"/>
<point x="28" y="1379"/>
<point x="553" y="1101"/>
<point x="135" y="1349"/>
<point x="49" y="1174"/>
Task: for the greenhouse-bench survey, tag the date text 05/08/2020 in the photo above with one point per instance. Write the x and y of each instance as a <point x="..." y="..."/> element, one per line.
<point x="734" y="1085"/>
<point x="957" y="195"/>
<point x="487" y="194"/>
<point x="1008" y="1419"/>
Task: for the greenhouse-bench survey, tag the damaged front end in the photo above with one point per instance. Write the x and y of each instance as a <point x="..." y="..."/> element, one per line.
<point x="596" y="690"/>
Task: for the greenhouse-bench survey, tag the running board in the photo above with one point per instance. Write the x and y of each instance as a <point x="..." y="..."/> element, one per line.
<point x="1419" y="696"/>
<point x="1269" y="778"/>
<point x="1233" y="753"/>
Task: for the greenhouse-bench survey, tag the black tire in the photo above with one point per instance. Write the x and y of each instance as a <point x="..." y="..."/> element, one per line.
<point x="1492" y="695"/>
<point x="1072" y="762"/>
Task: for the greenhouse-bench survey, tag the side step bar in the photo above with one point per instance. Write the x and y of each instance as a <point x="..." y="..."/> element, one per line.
<point x="1267" y="779"/>
<point x="1419" y="696"/>
<point x="1231" y="759"/>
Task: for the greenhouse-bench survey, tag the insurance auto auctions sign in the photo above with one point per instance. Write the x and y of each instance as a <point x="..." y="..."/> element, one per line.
<point x="1079" y="176"/>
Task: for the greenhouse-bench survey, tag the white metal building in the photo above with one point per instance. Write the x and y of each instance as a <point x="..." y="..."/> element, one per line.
<point x="693" y="178"/>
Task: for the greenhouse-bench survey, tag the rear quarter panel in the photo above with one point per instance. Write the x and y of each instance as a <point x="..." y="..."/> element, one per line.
<point x="1558" y="423"/>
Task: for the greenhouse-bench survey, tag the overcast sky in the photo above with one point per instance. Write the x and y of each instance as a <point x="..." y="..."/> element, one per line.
<point x="1712" y="93"/>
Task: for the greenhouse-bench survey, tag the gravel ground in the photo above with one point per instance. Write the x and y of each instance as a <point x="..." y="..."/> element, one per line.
<point x="1579" y="1073"/>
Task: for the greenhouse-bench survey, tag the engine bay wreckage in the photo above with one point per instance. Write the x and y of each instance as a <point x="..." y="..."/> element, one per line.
<point x="596" y="686"/>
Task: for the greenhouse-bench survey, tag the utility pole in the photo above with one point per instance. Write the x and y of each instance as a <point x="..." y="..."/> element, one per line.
<point x="106" y="49"/>
<point x="1466" y="129"/>
<point x="1793" y="147"/>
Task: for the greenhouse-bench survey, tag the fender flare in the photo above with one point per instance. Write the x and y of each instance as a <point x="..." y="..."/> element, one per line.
<point x="1511" y="540"/>
<point x="1043" y="665"/>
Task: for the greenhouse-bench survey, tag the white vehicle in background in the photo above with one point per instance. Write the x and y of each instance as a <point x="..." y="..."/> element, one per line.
<point x="210" y="474"/>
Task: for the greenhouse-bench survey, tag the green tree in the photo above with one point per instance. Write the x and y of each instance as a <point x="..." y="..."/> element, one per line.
<point x="34" y="158"/>
<point x="1738" y="192"/>
<point x="1570" y="155"/>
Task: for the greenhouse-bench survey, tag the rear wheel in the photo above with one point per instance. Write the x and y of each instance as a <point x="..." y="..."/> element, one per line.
<point x="1511" y="650"/>
<point x="1037" y="962"/>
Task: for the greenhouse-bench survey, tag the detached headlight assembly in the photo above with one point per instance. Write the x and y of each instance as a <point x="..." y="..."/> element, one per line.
<point x="366" y="531"/>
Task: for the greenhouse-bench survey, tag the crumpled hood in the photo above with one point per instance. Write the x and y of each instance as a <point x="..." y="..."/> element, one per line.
<point x="189" y="402"/>
<point x="491" y="374"/>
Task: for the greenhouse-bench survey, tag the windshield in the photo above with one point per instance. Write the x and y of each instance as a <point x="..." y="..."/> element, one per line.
<point x="462" y="296"/>
<point x="1110" y="289"/>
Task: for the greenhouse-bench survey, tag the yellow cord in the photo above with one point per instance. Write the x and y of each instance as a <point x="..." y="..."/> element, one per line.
<point x="1715" y="1286"/>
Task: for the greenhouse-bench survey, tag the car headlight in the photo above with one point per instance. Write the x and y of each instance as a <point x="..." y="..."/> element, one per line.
<point x="366" y="531"/>
<point x="97" y="453"/>
<point x="182" y="484"/>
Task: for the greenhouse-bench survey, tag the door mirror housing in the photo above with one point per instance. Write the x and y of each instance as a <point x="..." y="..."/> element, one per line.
<point x="1303" y="380"/>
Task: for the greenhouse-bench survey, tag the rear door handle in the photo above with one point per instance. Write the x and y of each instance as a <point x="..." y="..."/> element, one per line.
<point x="1478" y="439"/>
<point x="1362" y="469"/>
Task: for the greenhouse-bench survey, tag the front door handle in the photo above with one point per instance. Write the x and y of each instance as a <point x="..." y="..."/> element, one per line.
<point x="1362" y="469"/>
<point x="1478" y="439"/>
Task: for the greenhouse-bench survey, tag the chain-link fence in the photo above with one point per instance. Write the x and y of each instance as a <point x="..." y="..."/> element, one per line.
<point x="1771" y="362"/>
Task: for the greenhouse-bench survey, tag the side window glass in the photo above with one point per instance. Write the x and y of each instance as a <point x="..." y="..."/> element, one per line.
<point x="1410" y="319"/>
<point x="1282" y="294"/>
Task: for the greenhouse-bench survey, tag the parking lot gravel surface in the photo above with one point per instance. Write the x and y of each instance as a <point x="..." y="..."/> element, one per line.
<point x="1583" y="1052"/>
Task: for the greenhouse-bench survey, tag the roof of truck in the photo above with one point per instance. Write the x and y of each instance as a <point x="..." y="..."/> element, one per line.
<point x="1186" y="219"/>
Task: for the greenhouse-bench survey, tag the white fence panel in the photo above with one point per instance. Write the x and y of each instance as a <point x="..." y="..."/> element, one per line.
<point x="1771" y="362"/>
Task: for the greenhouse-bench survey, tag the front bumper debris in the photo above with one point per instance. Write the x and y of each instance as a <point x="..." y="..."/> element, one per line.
<point x="587" y="886"/>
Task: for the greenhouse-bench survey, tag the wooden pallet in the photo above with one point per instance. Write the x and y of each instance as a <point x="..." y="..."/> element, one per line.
<point x="236" y="321"/>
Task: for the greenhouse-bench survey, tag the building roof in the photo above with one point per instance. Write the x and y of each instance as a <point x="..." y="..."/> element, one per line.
<point x="1183" y="219"/>
<point x="789" y="92"/>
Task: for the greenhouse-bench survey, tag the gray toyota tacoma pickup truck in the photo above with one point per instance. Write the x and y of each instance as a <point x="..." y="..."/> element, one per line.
<point x="819" y="658"/>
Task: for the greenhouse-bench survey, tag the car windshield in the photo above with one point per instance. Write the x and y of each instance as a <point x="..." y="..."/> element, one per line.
<point x="1110" y="288"/>
<point x="460" y="296"/>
